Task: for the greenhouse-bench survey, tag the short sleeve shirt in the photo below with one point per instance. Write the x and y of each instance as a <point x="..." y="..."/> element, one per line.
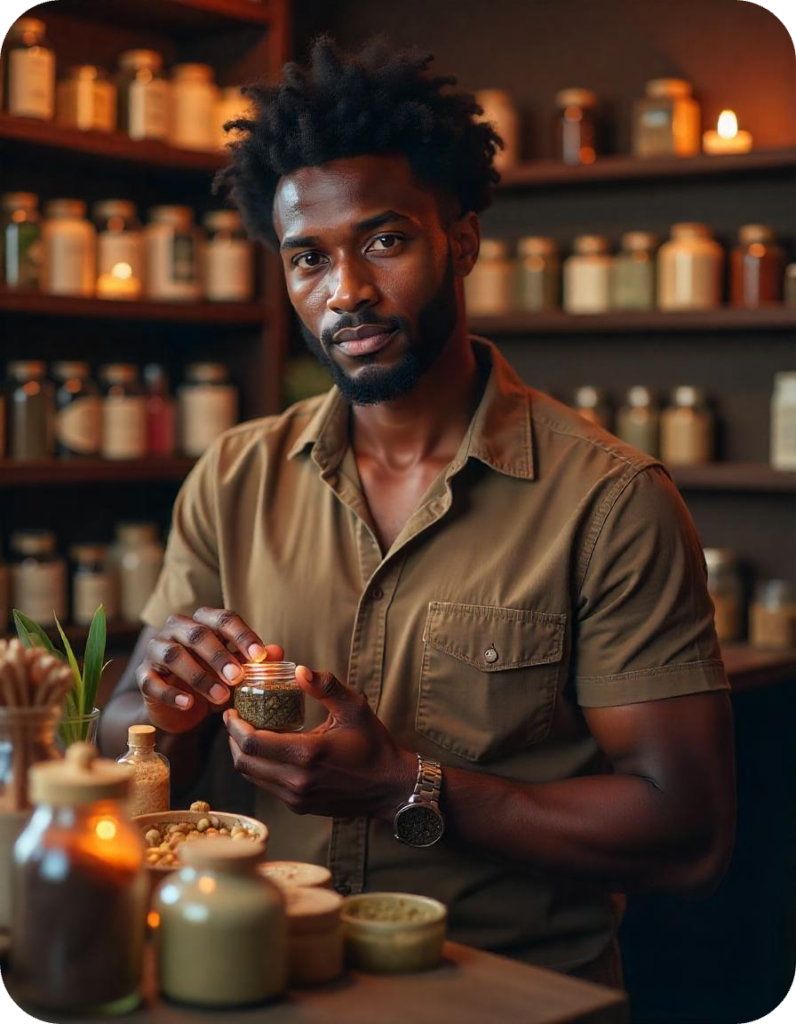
<point x="549" y="568"/>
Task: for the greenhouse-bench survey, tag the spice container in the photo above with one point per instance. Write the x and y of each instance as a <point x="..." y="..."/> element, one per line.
<point x="138" y="555"/>
<point x="150" y="792"/>
<point x="120" y="250"/>
<point x="78" y="416"/>
<point x="193" y="97"/>
<point x="498" y="108"/>
<point x="221" y="938"/>
<point x="291" y="873"/>
<point x="592" y="405"/>
<point x="144" y="95"/>
<point x="538" y="274"/>
<point x="228" y="258"/>
<point x="231" y="105"/>
<point x="161" y="412"/>
<point x="316" y="952"/>
<point x="633" y="272"/>
<point x="207" y="406"/>
<point x="38" y="576"/>
<point x="725" y="587"/>
<point x="172" y="254"/>
<point x="489" y="288"/>
<point x="575" y="135"/>
<point x="85" y="99"/>
<point x="93" y="583"/>
<point x="124" y="412"/>
<point x="757" y="264"/>
<point x="31" y="411"/>
<point x="667" y="121"/>
<point x="687" y="428"/>
<point x="269" y="696"/>
<point x="790" y="285"/>
<point x="638" y="421"/>
<point x="79" y="930"/>
<point x="69" y="263"/>
<point x="690" y="269"/>
<point x="772" y="616"/>
<point x="587" y="276"/>
<point x="28" y="71"/>
<point x="393" y="932"/>
<point x="20" y="254"/>
<point x="783" y="421"/>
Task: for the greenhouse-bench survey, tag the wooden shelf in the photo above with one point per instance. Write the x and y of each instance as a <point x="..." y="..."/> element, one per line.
<point x="177" y="17"/>
<point x="82" y="471"/>
<point x="748" y="667"/>
<point x="624" y="168"/>
<point x="228" y="314"/>
<point x="734" y="476"/>
<point x="724" y="319"/>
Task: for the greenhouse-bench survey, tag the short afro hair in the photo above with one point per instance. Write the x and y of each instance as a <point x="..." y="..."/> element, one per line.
<point x="350" y="104"/>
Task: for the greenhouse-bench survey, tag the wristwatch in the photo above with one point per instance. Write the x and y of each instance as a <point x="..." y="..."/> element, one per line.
<point x="419" y="821"/>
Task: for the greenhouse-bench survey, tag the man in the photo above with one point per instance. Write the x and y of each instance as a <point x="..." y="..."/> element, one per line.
<point x="479" y="578"/>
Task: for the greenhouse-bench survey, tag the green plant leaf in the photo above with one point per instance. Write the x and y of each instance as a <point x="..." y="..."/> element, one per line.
<point x="78" y="688"/>
<point x="93" y="658"/>
<point x="31" y="634"/>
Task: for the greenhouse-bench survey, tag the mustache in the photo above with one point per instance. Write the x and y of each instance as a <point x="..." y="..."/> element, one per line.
<point x="364" y="320"/>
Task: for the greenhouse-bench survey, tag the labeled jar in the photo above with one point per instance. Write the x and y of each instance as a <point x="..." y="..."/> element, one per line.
<point x="193" y="96"/>
<point x="231" y="105"/>
<point x="69" y="259"/>
<point x="80" y="890"/>
<point x="144" y="95"/>
<point x="38" y="576"/>
<point x="207" y="406"/>
<point x="78" y="410"/>
<point x="120" y="250"/>
<point x="490" y="286"/>
<point x="592" y="404"/>
<point x="172" y="254"/>
<point x="667" y="121"/>
<point x="790" y="285"/>
<point x="269" y="696"/>
<point x="772" y="616"/>
<point x="690" y="269"/>
<point x="316" y="947"/>
<point x="587" y="276"/>
<point x="575" y="133"/>
<point x="31" y="411"/>
<point x="499" y="109"/>
<point x="638" y="421"/>
<point x="124" y="411"/>
<point x="29" y="71"/>
<point x="538" y="274"/>
<point x="216" y="911"/>
<point x="725" y="587"/>
<point x="138" y="557"/>
<point x="161" y="413"/>
<point x="757" y="266"/>
<point x="687" y="428"/>
<point x="633" y="272"/>
<point x="93" y="583"/>
<point x="20" y="255"/>
<point x="151" y="783"/>
<point x="783" y="421"/>
<point x="86" y="99"/>
<point x="228" y="258"/>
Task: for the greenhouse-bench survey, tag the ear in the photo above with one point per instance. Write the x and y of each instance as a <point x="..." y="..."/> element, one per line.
<point x="465" y="240"/>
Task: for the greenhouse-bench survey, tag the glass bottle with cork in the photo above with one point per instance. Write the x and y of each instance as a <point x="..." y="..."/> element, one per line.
<point x="124" y="410"/>
<point x="150" y="792"/>
<point x="161" y="412"/>
<point x="592" y="404"/>
<point x="633" y="272"/>
<point x="38" y="576"/>
<point x="667" y="121"/>
<point x="725" y="587"/>
<point x="69" y="258"/>
<point x="172" y="254"/>
<point x="687" y="428"/>
<point x="28" y="71"/>
<point x="20" y="249"/>
<point x="638" y="421"/>
<point x="228" y="258"/>
<point x="207" y="405"/>
<point x="31" y="411"/>
<point x="690" y="269"/>
<point x="587" y="276"/>
<point x="538" y="274"/>
<point x="757" y="265"/>
<point x="144" y="95"/>
<point x="78" y="415"/>
<point x="194" y="95"/>
<point x="575" y="129"/>
<point x="489" y="289"/>
<point x="86" y="99"/>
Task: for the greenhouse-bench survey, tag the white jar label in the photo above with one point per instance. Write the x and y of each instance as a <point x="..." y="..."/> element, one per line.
<point x="205" y="412"/>
<point x="39" y="589"/>
<point x="148" y="114"/>
<point x="124" y="427"/>
<point x="228" y="271"/>
<point x="31" y="83"/>
<point x="78" y="427"/>
<point x="91" y="590"/>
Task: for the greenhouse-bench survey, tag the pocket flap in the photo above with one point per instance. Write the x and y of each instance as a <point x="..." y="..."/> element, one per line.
<point x="494" y="639"/>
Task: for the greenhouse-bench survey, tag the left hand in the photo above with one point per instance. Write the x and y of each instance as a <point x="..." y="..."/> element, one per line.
<point x="349" y="766"/>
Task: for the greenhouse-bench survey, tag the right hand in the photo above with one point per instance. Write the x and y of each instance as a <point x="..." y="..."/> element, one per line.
<point x="190" y="666"/>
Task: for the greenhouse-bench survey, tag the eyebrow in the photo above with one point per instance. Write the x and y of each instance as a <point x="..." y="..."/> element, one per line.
<point x="307" y="241"/>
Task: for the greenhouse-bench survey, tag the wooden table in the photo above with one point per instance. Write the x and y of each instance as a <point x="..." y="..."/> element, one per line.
<point x="470" y="987"/>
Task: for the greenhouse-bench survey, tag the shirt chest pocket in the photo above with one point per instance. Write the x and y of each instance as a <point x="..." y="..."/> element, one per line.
<point x="489" y="677"/>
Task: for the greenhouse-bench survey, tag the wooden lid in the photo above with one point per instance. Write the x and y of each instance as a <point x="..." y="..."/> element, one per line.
<point x="311" y="909"/>
<point x="291" y="873"/>
<point x="81" y="778"/>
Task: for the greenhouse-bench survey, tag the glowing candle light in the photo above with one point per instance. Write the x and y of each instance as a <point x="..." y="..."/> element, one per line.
<point x="727" y="138"/>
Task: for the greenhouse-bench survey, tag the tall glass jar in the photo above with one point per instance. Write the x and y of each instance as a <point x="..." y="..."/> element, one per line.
<point x="757" y="265"/>
<point x="194" y="98"/>
<point x="138" y="557"/>
<point x="575" y="135"/>
<point x="78" y="416"/>
<point x="690" y="269"/>
<point x="638" y="421"/>
<point x="228" y="258"/>
<point x="269" y="696"/>
<point x="207" y="406"/>
<point x="633" y="272"/>
<point x="687" y="428"/>
<point x="144" y="95"/>
<point x="68" y="249"/>
<point x="172" y="254"/>
<point x="85" y="99"/>
<point x="20" y="254"/>
<point x="80" y="890"/>
<point x="38" y="576"/>
<point x="161" y="412"/>
<point x="150" y="792"/>
<point x="772" y="615"/>
<point x="124" y="411"/>
<point x="587" y="276"/>
<point x="538" y="274"/>
<point x="725" y="587"/>
<point x="666" y="121"/>
<point x="499" y="109"/>
<point x="31" y="411"/>
<point x="489" y="289"/>
<point x="93" y="583"/>
<point x="783" y="422"/>
<point x="592" y="404"/>
<point x="29" y="71"/>
<point x="120" y="250"/>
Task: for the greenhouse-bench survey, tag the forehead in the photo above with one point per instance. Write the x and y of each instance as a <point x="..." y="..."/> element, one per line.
<point x="312" y="200"/>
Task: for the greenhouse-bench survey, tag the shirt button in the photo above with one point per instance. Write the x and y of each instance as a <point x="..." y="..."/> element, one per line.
<point x="344" y="889"/>
<point x="491" y="655"/>
<point x="376" y="594"/>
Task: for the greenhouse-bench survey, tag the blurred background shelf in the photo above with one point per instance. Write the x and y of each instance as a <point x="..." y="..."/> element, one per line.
<point x="82" y="471"/>
<point x="723" y="320"/>
<point x="734" y="476"/>
<point x="178" y="17"/>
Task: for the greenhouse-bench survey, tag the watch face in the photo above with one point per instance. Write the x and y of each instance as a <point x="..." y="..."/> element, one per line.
<point x="418" y="825"/>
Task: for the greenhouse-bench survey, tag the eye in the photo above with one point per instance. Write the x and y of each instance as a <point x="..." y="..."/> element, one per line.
<point x="385" y="242"/>
<point x="313" y="259"/>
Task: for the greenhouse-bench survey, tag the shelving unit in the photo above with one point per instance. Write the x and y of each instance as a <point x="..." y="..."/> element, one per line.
<point x="59" y="472"/>
<point x="711" y="322"/>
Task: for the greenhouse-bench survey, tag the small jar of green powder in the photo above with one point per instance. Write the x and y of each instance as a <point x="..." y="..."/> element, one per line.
<point x="269" y="696"/>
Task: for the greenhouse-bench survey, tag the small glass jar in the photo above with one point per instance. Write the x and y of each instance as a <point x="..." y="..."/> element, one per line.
<point x="86" y="99"/>
<point x="151" y="785"/>
<point x="667" y="121"/>
<point x="207" y="405"/>
<point x="633" y="272"/>
<point x="38" y="576"/>
<point x="231" y="105"/>
<point x="790" y="285"/>
<point x="772" y="616"/>
<point x="783" y="422"/>
<point x="120" y="250"/>
<point x="20" y="255"/>
<point x="499" y="109"/>
<point x="31" y="411"/>
<point x="687" y="428"/>
<point x="138" y="557"/>
<point x="592" y="404"/>
<point x="161" y="413"/>
<point x="228" y="258"/>
<point x="587" y="276"/>
<point x="93" y="583"/>
<point x="690" y="269"/>
<point x="144" y="95"/>
<point x="269" y="696"/>
<point x="28" y="71"/>
<point x="757" y="265"/>
<point x="638" y="421"/>
<point x="172" y="254"/>
<point x="538" y="274"/>
<point x="575" y="135"/>
<point x="124" y="410"/>
<point x="194" y="96"/>
<point x="490" y="286"/>
<point x="78" y="415"/>
<point x="725" y="587"/>
<point x="68" y="249"/>
<point x="316" y="947"/>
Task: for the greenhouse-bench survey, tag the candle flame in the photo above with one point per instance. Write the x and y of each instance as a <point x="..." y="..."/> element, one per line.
<point x="105" y="829"/>
<point x="153" y="919"/>
<point x="728" y="124"/>
<point x="122" y="271"/>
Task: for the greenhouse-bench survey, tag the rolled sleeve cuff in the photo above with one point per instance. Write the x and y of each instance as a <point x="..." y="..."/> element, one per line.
<point x="651" y="684"/>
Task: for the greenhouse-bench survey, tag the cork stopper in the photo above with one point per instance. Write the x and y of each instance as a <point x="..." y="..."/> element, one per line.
<point x="141" y="736"/>
<point x="81" y="778"/>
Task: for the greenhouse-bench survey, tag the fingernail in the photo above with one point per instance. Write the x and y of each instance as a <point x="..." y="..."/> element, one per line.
<point x="183" y="701"/>
<point x="225" y="716"/>
<point x="231" y="672"/>
<point x="218" y="693"/>
<point x="306" y="673"/>
<point x="257" y="653"/>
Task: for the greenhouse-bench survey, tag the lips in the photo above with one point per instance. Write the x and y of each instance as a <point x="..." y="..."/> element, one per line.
<point x="359" y="333"/>
<point x="366" y="344"/>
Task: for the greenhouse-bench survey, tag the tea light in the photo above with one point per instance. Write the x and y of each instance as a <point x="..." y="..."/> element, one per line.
<point x="727" y="138"/>
<point x="120" y="283"/>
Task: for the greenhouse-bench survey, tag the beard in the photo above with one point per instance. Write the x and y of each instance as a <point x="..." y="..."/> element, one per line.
<point x="374" y="384"/>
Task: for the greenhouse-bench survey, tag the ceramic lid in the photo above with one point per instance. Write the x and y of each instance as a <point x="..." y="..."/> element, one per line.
<point x="81" y="778"/>
<point x="309" y="909"/>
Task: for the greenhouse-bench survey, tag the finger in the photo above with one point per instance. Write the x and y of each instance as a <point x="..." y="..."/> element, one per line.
<point x="204" y="645"/>
<point x="155" y="689"/>
<point x="231" y="627"/>
<point x="346" y="704"/>
<point x="167" y="657"/>
<point x="278" y="747"/>
<point x="265" y="772"/>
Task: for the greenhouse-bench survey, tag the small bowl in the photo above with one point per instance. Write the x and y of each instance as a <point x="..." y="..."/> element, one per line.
<point x="393" y="932"/>
<point x="147" y="821"/>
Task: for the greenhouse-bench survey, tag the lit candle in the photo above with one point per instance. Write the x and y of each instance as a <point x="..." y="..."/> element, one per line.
<point x="120" y="283"/>
<point x="727" y="138"/>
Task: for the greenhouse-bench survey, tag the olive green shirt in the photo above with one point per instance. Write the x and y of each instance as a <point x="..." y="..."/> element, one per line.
<point x="550" y="567"/>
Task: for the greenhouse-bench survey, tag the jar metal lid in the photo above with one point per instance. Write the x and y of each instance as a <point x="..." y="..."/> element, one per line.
<point x="206" y="373"/>
<point x="119" y="373"/>
<point x="537" y="245"/>
<point x="493" y="249"/>
<point x="33" y="542"/>
<point x="66" y="368"/>
<point x="87" y="72"/>
<point x="640" y="397"/>
<point x="14" y="200"/>
<point x="576" y="98"/>
<point x="139" y="60"/>
<point x="751" y="233"/>
<point x="687" y="395"/>
<point x="223" y="220"/>
<point x="637" y="241"/>
<point x="588" y="397"/>
<point x="136" y="533"/>
<point x="720" y="558"/>
<point x="22" y="369"/>
<point x="179" y="215"/>
<point x="81" y="778"/>
<point x="674" y="88"/>
<point x="691" y="229"/>
<point x="114" y="208"/>
<point x="32" y="25"/>
<point x="81" y="553"/>
<point x="586" y="245"/>
<point x="60" y="209"/>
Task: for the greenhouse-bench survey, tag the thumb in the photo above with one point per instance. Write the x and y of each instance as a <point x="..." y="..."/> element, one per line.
<point x="345" y="703"/>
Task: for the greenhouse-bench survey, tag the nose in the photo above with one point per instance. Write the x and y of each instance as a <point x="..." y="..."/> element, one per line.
<point x="353" y="291"/>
